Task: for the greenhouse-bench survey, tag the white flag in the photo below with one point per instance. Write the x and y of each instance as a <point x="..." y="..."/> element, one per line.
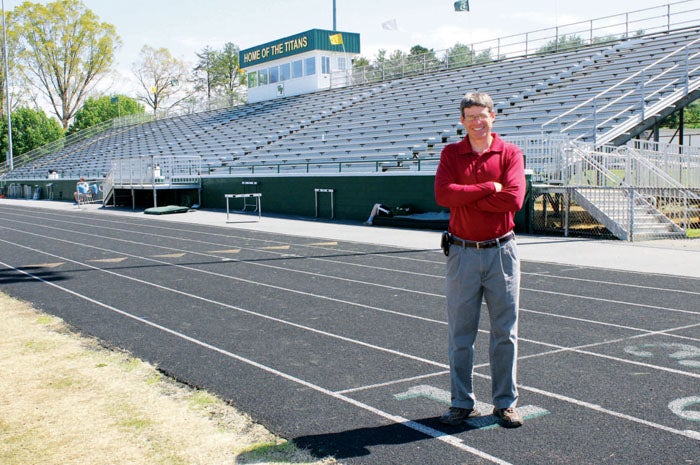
<point x="390" y="25"/>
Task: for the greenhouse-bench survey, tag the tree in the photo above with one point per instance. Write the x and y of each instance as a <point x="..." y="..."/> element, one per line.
<point x="218" y="74"/>
<point x="421" y="60"/>
<point x="227" y="72"/>
<point x="98" y="110"/>
<point x="204" y="72"/>
<point x="161" y="76"/>
<point x="459" y="55"/>
<point x="562" y="43"/>
<point x="64" y="50"/>
<point x="30" y="129"/>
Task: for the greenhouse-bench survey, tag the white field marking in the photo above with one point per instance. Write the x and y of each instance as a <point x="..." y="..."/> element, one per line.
<point x="621" y="302"/>
<point x="429" y="294"/>
<point x="546" y="274"/>
<point x="612" y="325"/>
<point x="394" y="382"/>
<point x="428" y="431"/>
<point x="43" y="265"/>
<point x="558" y="348"/>
<point x="240" y="309"/>
<point x="236" y="278"/>
<point x="397" y="270"/>
<point x="354" y="341"/>
<point x="246" y="262"/>
<point x="224" y="251"/>
<point x="686" y="433"/>
<point x="597" y="281"/>
<point x="678" y="407"/>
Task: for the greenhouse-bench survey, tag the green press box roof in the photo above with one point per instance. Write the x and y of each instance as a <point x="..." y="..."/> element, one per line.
<point x="315" y="39"/>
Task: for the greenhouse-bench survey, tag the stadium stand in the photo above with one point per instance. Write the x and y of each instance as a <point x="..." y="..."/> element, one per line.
<point x="576" y="102"/>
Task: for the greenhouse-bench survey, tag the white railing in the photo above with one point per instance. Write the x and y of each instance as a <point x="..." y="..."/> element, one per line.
<point x="156" y="170"/>
<point x="633" y="93"/>
<point x="610" y="28"/>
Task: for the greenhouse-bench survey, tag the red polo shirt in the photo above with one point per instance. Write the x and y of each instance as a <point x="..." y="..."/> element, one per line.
<point x="464" y="183"/>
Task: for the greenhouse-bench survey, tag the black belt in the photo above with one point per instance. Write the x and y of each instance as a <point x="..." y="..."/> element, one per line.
<point x="483" y="244"/>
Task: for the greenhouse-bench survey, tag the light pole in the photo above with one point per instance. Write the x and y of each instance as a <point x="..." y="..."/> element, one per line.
<point x="334" y="28"/>
<point x="10" y="162"/>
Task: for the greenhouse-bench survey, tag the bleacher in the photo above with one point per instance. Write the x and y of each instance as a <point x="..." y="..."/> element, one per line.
<point x="584" y="94"/>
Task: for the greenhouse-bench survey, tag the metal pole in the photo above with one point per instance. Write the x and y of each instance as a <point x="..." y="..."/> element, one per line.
<point x="334" y="27"/>
<point x="10" y="161"/>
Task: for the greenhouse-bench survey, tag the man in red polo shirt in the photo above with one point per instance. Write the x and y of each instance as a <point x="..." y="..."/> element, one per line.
<point x="482" y="181"/>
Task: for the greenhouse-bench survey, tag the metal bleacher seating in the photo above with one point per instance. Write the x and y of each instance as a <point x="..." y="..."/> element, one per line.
<point x="409" y="117"/>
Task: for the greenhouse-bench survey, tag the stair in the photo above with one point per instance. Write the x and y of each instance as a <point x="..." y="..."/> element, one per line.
<point x="612" y="208"/>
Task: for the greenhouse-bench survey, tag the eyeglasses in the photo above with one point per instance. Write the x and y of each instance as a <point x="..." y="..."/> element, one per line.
<point x="479" y="117"/>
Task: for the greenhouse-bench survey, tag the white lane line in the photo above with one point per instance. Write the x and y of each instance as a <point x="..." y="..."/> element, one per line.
<point x="350" y="303"/>
<point x="431" y="432"/>
<point x="686" y="433"/>
<point x="393" y="270"/>
<point x="527" y="388"/>
<point x="394" y="382"/>
<point x="611" y="301"/>
<point x="238" y="309"/>
<point x="440" y="296"/>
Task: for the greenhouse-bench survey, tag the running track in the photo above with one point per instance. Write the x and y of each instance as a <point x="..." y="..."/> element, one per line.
<point x="341" y="346"/>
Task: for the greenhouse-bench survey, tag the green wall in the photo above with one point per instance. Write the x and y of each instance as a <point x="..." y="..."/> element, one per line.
<point x="354" y="196"/>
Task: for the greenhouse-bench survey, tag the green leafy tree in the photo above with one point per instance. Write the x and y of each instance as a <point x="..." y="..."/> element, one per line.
<point x="204" y="72"/>
<point x="421" y="60"/>
<point x="30" y="129"/>
<point x="64" y="49"/>
<point x="459" y="55"/>
<point x="562" y="43"/>
<point x="227" y="72"/>
<point x="98" y="110"/>
<point x="691" y="117"/>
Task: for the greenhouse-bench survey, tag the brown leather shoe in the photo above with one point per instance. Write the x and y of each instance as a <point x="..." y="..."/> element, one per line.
<point x="456" y="415"/>
<point x="508" y="417"/>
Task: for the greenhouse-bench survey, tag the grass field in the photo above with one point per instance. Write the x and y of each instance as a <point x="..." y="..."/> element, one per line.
<point x="66" y="399"/>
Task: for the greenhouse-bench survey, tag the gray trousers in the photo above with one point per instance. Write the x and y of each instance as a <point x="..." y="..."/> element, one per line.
<point x="492" y="275"/>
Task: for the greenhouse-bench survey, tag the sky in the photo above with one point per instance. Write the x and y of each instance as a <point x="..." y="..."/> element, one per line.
<point x="185" y="27"/>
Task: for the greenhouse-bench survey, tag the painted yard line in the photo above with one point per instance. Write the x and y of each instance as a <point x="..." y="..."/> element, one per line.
<point x="524" y="387"/>
<point x="428" y="431"/>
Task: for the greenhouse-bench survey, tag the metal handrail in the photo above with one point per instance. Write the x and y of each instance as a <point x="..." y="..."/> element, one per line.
<point x="595" y="98"/>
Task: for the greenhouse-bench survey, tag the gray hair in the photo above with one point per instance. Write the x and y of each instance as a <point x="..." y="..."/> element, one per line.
<point x="475" y="99"/>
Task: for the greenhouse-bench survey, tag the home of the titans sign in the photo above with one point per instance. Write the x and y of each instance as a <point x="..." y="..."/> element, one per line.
<point x="315" y="39"/>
